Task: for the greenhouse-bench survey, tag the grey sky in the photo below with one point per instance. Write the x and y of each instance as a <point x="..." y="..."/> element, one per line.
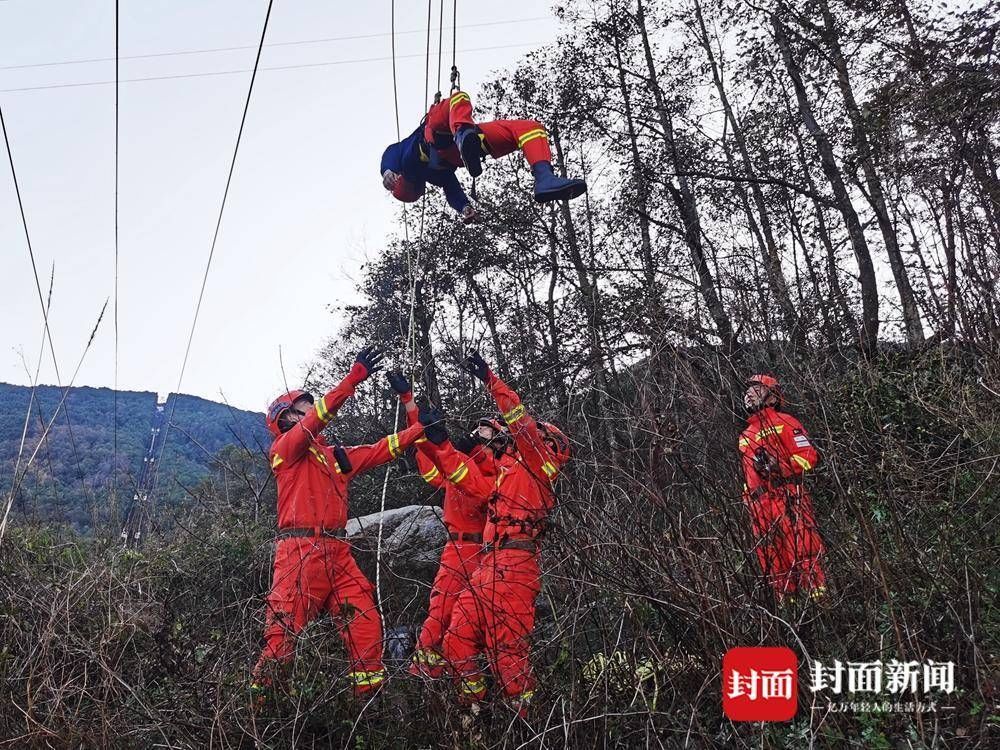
<point x="305" y="208"/>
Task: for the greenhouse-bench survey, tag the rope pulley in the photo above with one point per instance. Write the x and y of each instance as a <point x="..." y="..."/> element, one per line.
<point x="456" y="79"/>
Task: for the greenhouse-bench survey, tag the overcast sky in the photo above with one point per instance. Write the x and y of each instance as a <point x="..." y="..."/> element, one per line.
<point x="306" y="204"/>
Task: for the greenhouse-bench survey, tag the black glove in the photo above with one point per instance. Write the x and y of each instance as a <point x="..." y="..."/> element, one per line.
<point x="433" y="421"/>
<point x="399" y="382"/>
<point x="370" y="358"/>
<point x="764" y="463"/>
<point x="475" y="364"/>
<point x="464" y="444"/>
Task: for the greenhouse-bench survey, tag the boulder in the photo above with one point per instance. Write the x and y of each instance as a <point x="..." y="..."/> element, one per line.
<point x="414" y="533"/>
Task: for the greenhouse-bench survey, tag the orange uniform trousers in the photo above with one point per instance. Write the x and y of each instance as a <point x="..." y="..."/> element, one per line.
<point x="495" y="617"/>
<point x="788" y="544"/>
<point x="500" y="137"/>
<point x="459" y="561"/>
<point x="313" y="575"/>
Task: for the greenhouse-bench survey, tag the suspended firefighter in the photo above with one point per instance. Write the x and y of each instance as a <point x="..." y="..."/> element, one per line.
<point x="449" y="138"/>
<point x="314" y="570"/>
<point x="496" y="614"/>
<point x="776" y="452"/>
<point x="464" y="515"/>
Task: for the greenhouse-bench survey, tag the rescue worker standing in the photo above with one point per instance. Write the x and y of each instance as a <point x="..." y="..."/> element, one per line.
<point x="464" y="516"/>
<point x="449" y="138"/>
<point x="496" y="613"/>
<point x="776" y="452"/>
<point x="314" y="569"/>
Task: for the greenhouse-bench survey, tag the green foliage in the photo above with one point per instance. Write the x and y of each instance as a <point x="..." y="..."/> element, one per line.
<point x="72" y="474"/>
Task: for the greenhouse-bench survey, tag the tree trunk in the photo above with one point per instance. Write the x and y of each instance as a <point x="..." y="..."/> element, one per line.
<point x="866" y="269"/>
<point x="876" y="192"/>
<point x="687" y="207"/>
<point x="765" y="234"/>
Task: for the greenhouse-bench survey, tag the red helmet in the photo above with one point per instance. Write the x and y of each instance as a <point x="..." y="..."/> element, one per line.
<point x="497" y="424"/>
<point x="556" y="440"/>
<point x="769" y="382"/>
<point x="405" y="191"/>
<point x="279" y="406"/>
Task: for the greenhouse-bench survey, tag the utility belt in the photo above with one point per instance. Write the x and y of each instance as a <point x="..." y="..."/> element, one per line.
<point x="316" y="531"/>
<point x="527" y="526"/>
<point x="774" y="484"/>
<point x="528" y="545"/>
<point x="464" y="536"/>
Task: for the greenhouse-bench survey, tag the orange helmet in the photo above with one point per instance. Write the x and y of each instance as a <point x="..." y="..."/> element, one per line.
<point x="769" y="382"/>
<point x="279" y="406"/>
<point x="557" y="442"/>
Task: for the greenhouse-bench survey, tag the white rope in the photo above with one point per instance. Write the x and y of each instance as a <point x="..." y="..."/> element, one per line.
<point x="411" y="266"/>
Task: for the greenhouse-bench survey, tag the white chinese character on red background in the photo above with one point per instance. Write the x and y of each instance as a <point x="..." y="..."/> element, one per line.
<point x="776" y="684"/>
<point x="864" y="676"/>
<point x="941" y="676"/>
<point x="743" y="685"/>
<point x="827" y="677"/>
<point x="901" y="676"/>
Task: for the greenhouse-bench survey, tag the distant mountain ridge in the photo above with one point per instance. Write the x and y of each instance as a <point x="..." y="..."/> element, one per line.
<point x="74" y="486"/>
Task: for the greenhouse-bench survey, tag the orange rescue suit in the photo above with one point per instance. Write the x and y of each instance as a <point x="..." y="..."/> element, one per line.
<point x="788" y="544"/>
<point x="315" y="571"/>
<point x="496" y="613"/>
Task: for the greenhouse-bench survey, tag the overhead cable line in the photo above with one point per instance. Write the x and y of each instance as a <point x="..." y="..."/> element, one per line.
<point x="321" y="40"/>
<point x="211" y="253"/>
<point x="211" y="73"/>
<point x="41" y="301"/>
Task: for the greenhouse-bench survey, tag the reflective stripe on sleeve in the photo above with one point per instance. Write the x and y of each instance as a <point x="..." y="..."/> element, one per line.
<point x="514" y="414"/>
<point x="550" y="469"/>
<point x="431" y="474"/>
<point x="393" y="441"/>
<point x="461" y="96"/>
<point x="806" y="466"/>
<point x="276" y="461"/>
<point x="321" y="411"/>
<point x="459" y="474"/>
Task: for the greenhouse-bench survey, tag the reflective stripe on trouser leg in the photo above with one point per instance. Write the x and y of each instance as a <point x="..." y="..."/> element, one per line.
<point x="459" y="111"/>
<point x="352" y="606"/>
<point x="508" y="593"/>
<point x="503" y="136"/>
<point x="364" y="680"/>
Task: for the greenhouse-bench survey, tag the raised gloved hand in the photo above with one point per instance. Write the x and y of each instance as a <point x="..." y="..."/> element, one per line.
<point x="370" y="359"/>
<point x="470" y="215"/>
<point x="389" y="179"/>
<point x="475" y="364"/>
<point x="432" y="419"/>
<point x="764" y="463"/>
<point x="464" y="444"/>
<point x="399" y="382"/>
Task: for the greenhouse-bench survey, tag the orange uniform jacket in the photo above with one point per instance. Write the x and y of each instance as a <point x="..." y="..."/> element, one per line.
<point x="312" y="490"/>
<point x="784" y="438"/>
<point x="462" y="513"/>
<point x="521" y="495"/>
<point x="788" y="545"/>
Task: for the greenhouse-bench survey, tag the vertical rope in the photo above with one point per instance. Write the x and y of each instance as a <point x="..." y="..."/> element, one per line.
<point x="440" y="41"/>
<point x="411" y="266"/>
<point x="114" y="466"/>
